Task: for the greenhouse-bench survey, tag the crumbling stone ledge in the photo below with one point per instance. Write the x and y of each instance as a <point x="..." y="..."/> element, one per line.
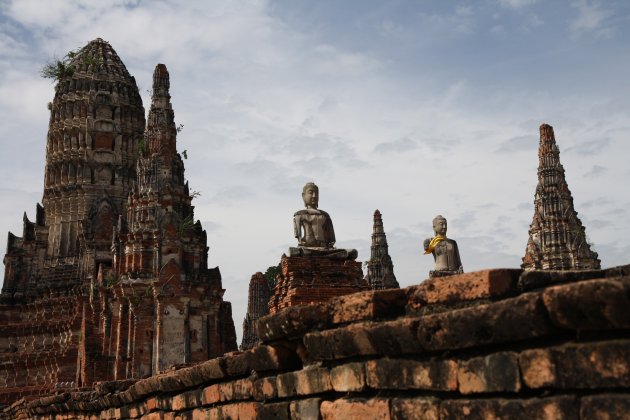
<point x="493" y="343"/>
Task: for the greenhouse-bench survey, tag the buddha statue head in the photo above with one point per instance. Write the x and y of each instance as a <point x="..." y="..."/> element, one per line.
<point x="439" y="225"/>
<point x="310" y="195"/>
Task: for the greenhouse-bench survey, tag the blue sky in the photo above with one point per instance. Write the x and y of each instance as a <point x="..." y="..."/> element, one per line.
<point x="412" y="107"/>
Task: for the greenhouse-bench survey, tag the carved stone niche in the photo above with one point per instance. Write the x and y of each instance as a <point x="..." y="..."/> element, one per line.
<point x="103" y="175"/>
<point x="104" y="141"/>
<point x="101" y="220"/>
<point x="104" y="108"/>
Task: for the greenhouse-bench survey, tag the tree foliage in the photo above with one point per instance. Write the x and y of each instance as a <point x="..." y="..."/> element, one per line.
<point x="271" y="274"/>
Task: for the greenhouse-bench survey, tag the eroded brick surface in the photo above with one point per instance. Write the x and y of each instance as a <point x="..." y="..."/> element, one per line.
<point x="591" y="305"/>
<point x="422" y="408"/>
<point x="498" y="372"/>
<point x="463" y="287"/>
<point x="525" y="409"/>
<point x="401" y="374"/>
<point x="605" y="407"/>
<point x="511" y="320"/>
<point x="348" y="377"/>
<point x="578" y="365"/>
<point x="355" y="409"/>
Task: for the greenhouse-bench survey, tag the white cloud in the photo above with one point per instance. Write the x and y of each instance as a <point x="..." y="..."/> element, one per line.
<point x="591" y="18"/>
<point x="517" y="4"/>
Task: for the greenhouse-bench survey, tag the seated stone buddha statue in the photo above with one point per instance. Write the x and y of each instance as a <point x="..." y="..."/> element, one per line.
<point x="314" y="230"/>
<point x="445" y="251"/>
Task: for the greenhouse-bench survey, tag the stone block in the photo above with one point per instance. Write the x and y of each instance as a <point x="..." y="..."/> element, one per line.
<point x="371" y="305"/>
<point x="604" y="364"/>
<point x="516" y="319"/>
<point x="308" y="381"/>
<point x="294" y="322"/>
<point x="355" y="409"/>
<point x="265" y="389"/>
<point x="348" y="378"/>
<point x="464" y="287"/>
<point x="590" y="305"/>
<point x="605" y="407"/>
<point x="364" y="339"/>
<point x="424" y="408"/>
<point x="305" y="409"/>
<point x="498" y="372"/>
<point x="401" y="374"/>
<point x="565" y="407"/>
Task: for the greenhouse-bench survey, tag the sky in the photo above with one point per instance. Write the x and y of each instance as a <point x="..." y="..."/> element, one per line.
<point x="415" y="108"/>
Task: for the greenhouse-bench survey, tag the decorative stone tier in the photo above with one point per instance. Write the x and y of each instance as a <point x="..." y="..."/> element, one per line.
<point x="312" y="279"/>
<point x="488" y="344"/>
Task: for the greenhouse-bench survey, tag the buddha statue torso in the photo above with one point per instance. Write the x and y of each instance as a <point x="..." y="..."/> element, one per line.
<point x="313" y="228"/>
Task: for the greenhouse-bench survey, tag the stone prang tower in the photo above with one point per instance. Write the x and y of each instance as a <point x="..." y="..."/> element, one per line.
<point x="257" y="306"/>
<point x="557" y="240"/>
<point x="380" y="268"/>
<point x="111" y="280"/>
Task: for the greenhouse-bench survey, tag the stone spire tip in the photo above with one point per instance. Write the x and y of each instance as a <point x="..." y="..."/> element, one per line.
<point x="160" y="78"/>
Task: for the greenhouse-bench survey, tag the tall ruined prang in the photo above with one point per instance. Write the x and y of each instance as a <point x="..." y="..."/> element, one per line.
<point x="257" y="306"/>
<point x="557" y="239"/>
<point x="111" y="279"/>
<point x="380" y="267"/>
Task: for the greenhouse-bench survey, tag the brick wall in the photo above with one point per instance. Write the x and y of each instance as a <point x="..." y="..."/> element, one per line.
<point x="489" y="344"/>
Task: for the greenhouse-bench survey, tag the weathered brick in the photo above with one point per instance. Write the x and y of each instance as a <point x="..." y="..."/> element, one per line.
<point x="211" y="370"/>
<point x="265" y="389"/>
<point x="156" y="415"/>
<point x="169" y="383"/>
<point x="210" y="395"/>
<point x="137" y="410"/>
<point x="590" y="305"/>
<point x="304" y="382"/>
<point x="498" y="372"/>
<point x="514" y="319"/>
<point x="186" y="400"/>
<point x="348" y="377"/>
<point x="206" y="413"/>
<point x="364" y="339"/>
<point x="355" y="409"/>
<point x="294" y="322"/>
<point x="536" y="279"/>
<point x="578" y="365"/>
<point x="538" y="368"/>
<point x="371" y="305"/>
<point x="243" y="389"/>
<point x="514" y="409"/>
<point x="438" y="375"/>
<point x="262" y="358"/>
<point x="151" y="404"/>
<point x="226" y="391"/>
<point x="278" y="411"/>
<point x="605" y="407"/>
<point x="305" y="409"/>
<point x="424" y="408"/>
<point x="237" y="410"/>
<point x="475" y="285"/>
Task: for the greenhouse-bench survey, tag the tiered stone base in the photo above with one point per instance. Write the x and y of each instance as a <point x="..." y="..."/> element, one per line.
<point x="313" y="279"/>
